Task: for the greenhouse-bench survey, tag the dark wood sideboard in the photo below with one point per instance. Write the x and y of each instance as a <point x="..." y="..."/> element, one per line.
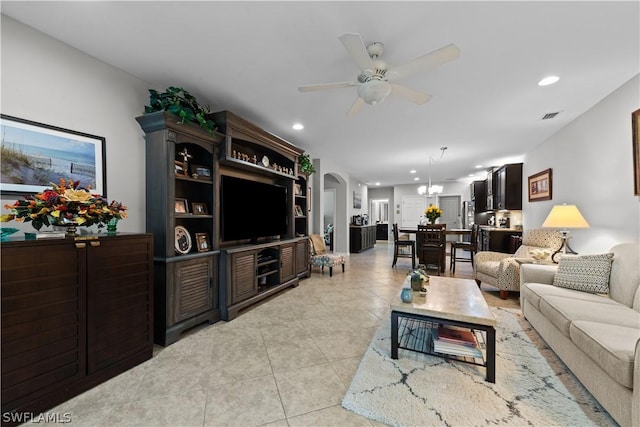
<point x="74" y="314"/>
<point x="361" y="237"/>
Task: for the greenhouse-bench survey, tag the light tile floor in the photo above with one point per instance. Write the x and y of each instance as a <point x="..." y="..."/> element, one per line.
<point x="285" y="362"/>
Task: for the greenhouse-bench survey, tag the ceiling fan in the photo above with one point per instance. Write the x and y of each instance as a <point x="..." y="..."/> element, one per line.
<point x="376" y="80"/>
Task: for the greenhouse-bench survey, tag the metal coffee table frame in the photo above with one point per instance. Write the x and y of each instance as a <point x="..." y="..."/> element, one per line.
<point x="425" y="322"/>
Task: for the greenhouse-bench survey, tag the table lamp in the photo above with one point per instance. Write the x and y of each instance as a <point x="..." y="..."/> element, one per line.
<point x="564" y="216"/>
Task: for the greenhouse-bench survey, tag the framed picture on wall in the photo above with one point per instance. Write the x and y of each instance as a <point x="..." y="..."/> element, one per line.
<point x="357" y="200"/>
<point x="635" y="125"/>
<point x="35" y="154"/>
<point x="540" y="186"/>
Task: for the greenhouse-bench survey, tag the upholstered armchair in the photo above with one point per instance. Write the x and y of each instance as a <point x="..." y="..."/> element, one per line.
<point x="321" y="257"/>
<point x="503" y="270"/>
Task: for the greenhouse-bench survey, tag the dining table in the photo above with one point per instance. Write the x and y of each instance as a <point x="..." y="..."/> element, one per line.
<point x="460" y="232"/>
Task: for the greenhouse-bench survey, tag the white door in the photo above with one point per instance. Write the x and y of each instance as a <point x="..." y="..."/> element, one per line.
<point x="412" y="209"/>
<point x="451" y="212"/>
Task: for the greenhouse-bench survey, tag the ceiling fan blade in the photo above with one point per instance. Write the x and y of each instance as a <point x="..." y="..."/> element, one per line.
<point x="409" y="94"/>
<point x="325" y="86"/>
<point x="356" y="48"/>
<point x="424" y="63"/>
<point x="356" y="106"/>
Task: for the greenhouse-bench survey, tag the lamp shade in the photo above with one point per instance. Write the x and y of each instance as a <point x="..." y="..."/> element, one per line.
<point x="565" y="216"/>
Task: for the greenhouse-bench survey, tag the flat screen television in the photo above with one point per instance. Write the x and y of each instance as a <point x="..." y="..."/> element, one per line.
<point x="251" y="209"/>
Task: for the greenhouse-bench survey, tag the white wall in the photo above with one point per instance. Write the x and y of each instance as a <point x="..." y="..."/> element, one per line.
<point x="592" y="167"/>
<point x="343" y="200"/>
<point x="46" y="81"/>
<point x="450" y="188"/>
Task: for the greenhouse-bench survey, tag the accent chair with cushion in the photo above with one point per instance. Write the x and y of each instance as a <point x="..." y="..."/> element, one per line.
<point x="503" y="270"/>
<point x="321" y="257"/>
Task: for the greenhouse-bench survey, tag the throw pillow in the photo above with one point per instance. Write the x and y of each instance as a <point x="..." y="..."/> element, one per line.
<point x="587" y="273"/>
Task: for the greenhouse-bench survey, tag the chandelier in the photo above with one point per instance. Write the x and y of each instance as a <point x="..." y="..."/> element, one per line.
<point x="432" y="189"/>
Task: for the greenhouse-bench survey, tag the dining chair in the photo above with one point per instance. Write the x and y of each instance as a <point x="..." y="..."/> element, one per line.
<point x="402" y="244"/>
<point x="471" y="246"/>
<point x="431" y="245"/>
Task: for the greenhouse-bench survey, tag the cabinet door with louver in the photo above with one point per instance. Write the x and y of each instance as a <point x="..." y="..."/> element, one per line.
<point x="193" y="288"/>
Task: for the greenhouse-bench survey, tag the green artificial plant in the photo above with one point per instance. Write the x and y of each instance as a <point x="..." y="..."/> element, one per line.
<point x="178" y="101"/>
<point x="305" y="164"/>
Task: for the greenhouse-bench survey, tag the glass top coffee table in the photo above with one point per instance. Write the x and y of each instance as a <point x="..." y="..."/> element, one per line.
<point x="449" y="302"/>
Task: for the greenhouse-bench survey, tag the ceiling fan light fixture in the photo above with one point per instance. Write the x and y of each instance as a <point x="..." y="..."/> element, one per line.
<point x="374" y="91"/>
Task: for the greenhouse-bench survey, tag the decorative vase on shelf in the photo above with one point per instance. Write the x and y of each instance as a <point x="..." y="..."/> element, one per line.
<point x="406" y="295"/>
<point x="71" y="227"/>
<point x="112" y="226"/>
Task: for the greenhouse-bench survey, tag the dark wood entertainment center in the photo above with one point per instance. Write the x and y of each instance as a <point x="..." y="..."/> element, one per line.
<point x="195" y="286"/>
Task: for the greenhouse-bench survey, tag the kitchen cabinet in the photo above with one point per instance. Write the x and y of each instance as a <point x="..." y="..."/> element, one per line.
<point x="497" y="239"/>
<point x="490" y="189"/>
<point x="478" y="192"/>
<point x="74" y="314"/>
<point x="382" y="231"/>
<point x="508" y="187"/>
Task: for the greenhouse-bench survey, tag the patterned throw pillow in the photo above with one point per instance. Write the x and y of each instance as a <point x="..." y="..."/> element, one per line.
<point x="586" y="273"/>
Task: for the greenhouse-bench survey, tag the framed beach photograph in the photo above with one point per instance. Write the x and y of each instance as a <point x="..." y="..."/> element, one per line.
<point x="181" y="206"/>
<point x="202" y="242"/>
<point x="36" y="154"/>
<point x="299" y="211"/>
<point x="540" y="186"/>
<point x="635" y="125"/>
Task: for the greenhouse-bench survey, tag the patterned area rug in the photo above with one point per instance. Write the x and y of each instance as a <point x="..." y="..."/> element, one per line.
<point x="533" y="387"/>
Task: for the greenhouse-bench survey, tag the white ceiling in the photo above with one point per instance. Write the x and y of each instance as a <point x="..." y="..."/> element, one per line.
<point x="250" y="57"/>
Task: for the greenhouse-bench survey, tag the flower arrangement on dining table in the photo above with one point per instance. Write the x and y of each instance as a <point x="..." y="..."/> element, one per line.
<point x="432" y="213"/>
<point x="66" y="203"/>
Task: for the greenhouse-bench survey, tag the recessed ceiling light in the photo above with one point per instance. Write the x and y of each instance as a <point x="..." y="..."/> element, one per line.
<point x="416" y="178"/>
<point x="412" y="171"/>
<point x="377" y="183"/>
<point x="548" y="80"/>
<point x="471" y="174"/>
<point x="478" y="166"/>
<point x="298" y="126"/>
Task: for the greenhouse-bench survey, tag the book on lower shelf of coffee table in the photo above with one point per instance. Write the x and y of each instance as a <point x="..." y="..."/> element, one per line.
<point x="455" y="341"/>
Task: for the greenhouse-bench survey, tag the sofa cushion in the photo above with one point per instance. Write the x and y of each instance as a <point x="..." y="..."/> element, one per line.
<point x="625" y="274"/>
<point x="533" y="292"/>
<point x="611" y="347"/>
<point x="587" y="273"/>
<point x="561" y="311"/>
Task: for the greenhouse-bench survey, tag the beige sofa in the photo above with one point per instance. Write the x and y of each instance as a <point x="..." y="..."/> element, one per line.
<point x="597" y="337"/>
